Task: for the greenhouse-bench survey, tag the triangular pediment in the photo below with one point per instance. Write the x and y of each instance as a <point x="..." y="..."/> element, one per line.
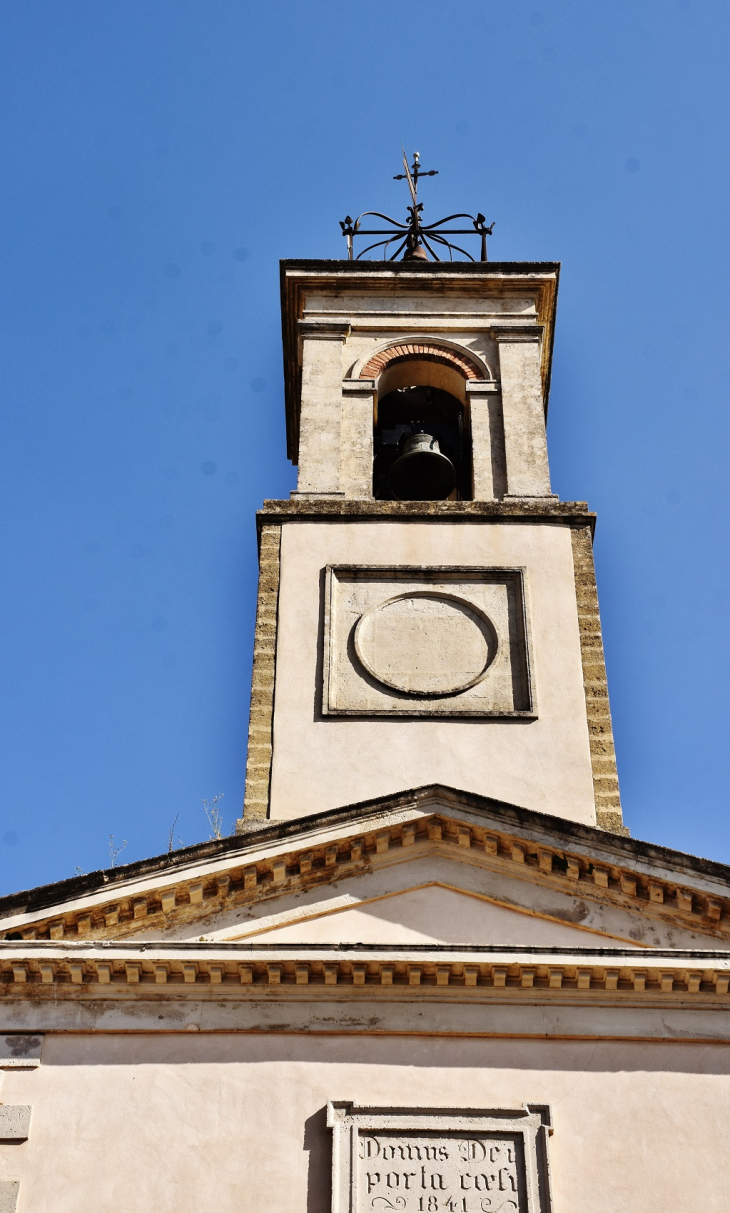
<point x="430" y="865"/>
<point x="429" y="913"/>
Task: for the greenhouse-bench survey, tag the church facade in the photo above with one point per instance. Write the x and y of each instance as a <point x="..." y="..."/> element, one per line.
<point x="431" y="972"/>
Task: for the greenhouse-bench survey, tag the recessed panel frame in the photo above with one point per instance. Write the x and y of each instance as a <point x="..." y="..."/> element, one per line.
<point x="440" y="1160"/>
<point x="496" y="594"/>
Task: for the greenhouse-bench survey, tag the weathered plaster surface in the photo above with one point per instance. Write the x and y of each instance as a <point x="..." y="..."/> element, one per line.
<point x="189" y="1121"/>
<point x="486" y="419"/>
<point x="356" y="454"/>
<point x="318" y="763"/>
<point x="425" y="915"/>
<point x="446" y="901"/>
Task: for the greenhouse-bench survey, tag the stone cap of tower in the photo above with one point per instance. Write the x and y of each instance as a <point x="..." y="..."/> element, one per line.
<point x="298" y="277"/>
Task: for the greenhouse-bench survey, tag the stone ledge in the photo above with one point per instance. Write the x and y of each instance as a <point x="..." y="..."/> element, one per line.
<point x="576" y="513"/>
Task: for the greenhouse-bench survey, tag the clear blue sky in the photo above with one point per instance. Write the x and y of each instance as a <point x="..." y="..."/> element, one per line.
<point x="159" y="157"/>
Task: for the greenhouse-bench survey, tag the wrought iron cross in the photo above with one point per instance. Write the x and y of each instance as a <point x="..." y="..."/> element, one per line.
<point x="415" y="237"/>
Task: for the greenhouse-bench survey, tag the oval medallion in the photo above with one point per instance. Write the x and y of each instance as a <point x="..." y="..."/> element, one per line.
<point x="426" y="643"/>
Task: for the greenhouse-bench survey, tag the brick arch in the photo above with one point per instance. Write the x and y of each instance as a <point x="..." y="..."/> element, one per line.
<point x="427" y="351"/>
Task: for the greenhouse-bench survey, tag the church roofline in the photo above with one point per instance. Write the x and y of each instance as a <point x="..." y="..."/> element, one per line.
<point x="556" y="831"/>
<point x="342" y="265"/>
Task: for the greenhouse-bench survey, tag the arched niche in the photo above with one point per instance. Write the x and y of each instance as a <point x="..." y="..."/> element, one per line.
<point x="415" y="393"/>
<point x="415" y="371"/>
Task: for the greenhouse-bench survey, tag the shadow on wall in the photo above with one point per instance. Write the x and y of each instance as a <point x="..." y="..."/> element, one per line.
<point x="318" y="1141"/>
<point x="386" y="1053"/>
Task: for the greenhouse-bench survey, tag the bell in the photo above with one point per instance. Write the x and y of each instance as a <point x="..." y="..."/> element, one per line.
<point x="415" y="252"/>
<point x="423" y="472"/>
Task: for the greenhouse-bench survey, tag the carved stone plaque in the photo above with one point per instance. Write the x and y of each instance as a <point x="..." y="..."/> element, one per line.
<point x="439" y="1160"/>
<point x="415" y="641"/>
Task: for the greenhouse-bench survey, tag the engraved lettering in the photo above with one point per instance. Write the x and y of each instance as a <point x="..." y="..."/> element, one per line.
<point x="506" y="1180"/>
<point x="474" y="1151"/>
<point x="482" y="1173"/>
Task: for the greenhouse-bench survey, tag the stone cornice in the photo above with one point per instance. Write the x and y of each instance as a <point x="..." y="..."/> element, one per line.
<point x="532" y="509"/>
<point x="486" y="974"/>
<point x="279" y="858"/>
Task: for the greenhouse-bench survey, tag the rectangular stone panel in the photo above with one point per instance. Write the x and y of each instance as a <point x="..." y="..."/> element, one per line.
<point x="426" y="641"/>
<point x="9" y="1189"/>
<point x="14" y="1122"/>
<point x="439" y="1160"/>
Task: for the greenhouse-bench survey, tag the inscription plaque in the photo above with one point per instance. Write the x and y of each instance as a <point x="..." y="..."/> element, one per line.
<point x="439" y="1160"/>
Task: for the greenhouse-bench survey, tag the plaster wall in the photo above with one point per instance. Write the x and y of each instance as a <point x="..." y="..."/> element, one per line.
<point x="189" y="1121"/>
<point x="541" y="764"/>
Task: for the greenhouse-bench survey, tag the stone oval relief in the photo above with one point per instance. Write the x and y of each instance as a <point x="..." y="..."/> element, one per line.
<point x="426" y="643"/>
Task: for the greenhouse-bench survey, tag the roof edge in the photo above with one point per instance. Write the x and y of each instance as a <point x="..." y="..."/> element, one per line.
<point x="625" y="849"/>
<point x="420" y="267"/>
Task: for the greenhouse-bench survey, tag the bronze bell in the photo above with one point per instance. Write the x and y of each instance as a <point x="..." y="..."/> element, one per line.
<point x="423" y="472"/>
<point x="415" y="251"/>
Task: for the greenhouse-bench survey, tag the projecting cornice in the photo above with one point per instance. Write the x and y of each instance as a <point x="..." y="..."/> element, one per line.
<point x="189" y="888"/>
<point x="417" y="989"/>
<point x="532" y="509"/>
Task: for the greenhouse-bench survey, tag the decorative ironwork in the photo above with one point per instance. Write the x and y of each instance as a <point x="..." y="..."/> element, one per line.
<point x="417" y="238"/>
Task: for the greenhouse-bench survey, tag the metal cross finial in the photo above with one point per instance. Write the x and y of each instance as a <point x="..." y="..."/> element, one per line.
<point x="412" y="174"/>
<point x="416" y="238"/>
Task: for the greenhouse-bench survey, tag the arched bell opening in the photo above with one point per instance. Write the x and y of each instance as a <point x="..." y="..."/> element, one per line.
<point x="422" y="447"/>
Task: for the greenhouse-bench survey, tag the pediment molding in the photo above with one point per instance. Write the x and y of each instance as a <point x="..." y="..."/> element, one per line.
<point x="284" y="857"/>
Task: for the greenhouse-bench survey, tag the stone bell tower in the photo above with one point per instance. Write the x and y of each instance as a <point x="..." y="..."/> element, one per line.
<point x="427" y="607"/>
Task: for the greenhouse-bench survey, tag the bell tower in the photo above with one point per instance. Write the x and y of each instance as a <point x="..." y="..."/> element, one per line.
<point x="427" y="608"/>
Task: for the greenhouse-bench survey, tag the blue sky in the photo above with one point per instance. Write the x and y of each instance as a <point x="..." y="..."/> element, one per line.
<point x="159" y="158"/>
